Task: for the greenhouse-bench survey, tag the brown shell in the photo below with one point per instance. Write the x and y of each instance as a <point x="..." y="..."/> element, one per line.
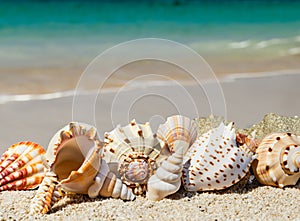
<point x="278" y="160"/>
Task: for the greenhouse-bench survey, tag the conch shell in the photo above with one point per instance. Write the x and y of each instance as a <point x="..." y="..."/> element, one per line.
<point x="75" y="157"/>
<point x="218" y="159"/>
<point x="278" y="162"/>
<point x="21" y="166"/>
<point x="177" y="133"/>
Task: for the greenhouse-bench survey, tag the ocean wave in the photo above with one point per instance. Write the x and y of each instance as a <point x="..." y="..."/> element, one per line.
<point x="241" y="44"/>
<point x="5" y="98"/>
<point x="294" y="51"/>
<point x="270" y="42"/>
<point x="255" y="44"/>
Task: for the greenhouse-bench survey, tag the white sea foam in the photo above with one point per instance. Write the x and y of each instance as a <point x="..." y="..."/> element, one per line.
<point x="297" y="38"/>
<point x="5" y="98"/>
<point x="240" y="44"/>
<point x="294" y="51"/>
<point x="270" y="42"/>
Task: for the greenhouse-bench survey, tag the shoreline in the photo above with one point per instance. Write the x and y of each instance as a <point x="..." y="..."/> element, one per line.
<point x="243" y="100"/>
<point x="233" y="77"/>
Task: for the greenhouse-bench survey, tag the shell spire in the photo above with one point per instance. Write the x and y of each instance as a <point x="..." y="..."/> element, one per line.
<point x="106" y="184"/>
<point x="21" y="166"/>
<point x="77" y="160"/>
<point x="216" y="160"/>
<point x="278" y="161"/>
<point x="167" y="179"/>
<point x="47" y="195"/>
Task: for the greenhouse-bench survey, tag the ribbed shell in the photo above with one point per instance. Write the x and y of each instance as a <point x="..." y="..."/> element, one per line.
<point x="177" y="128"/>
<point x="167" y="179"/>
<point x="278" y="160"/>
<point x="215" y="161"/>
<point x="133" y="153"/>
<point x="21" y="166"/>
<point x="47" y="195"/>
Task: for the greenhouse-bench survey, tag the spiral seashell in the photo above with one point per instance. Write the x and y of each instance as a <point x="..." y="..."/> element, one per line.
<point x="278" y="161"/>
<point x="107" y="184"/>
<point x="133" y="154"/>
<point x="47" y="195"/>
<point x="177" y="129"/>
<point x="77" y="160"/>
<point x="167" y="179"/>
<point x="21" y="166"/>
<point x="216" y="160"/>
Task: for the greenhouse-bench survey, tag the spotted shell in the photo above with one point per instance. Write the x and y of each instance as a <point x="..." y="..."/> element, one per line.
<point x="216" y="161"/>
<point x="74" y="156"/>
<point x="177" y="129"/>
<point x="133" y="154"/>
<point x="21" y="166"/>
<point x="278" y="161"/>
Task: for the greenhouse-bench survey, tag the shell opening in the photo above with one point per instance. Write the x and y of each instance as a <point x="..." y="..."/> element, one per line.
<point x="71" y="155"/>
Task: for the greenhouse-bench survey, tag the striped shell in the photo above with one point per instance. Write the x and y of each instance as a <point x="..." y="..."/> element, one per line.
<point x="74" y="154"/>
<point x="133" y="154"/>
<point x="176" y="129"/>
<point x="278" y="162"/>
<point x="47" y="195"/>
<point x="21" y="166"/>
<point x="216" y="161"/>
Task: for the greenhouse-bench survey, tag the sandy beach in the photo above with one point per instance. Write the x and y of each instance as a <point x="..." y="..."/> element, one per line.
<point x="246" y="99"/>
<point x="254" y="203"/>
<point x="252" y="50"/>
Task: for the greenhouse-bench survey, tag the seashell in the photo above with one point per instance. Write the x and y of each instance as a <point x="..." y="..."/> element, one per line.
<point x="74" y="155"/>
<point x="47" y="195"/>
<point x="133" y="154"/>
<point x="167" y="179"/>
<point x="177" y="129"/>
<point x="177" y="134"/>
<point x="278" y="161"/>
<point x="21" y="166"/>
<point x="216" y="160"/>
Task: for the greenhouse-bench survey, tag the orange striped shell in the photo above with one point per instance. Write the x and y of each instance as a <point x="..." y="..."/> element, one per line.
<point x="21" y="166"/>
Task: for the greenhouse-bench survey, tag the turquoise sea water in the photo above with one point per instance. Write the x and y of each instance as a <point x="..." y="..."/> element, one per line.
<point x="70" y="33"/>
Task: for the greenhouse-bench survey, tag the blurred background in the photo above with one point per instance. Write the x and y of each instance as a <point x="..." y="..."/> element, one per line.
<point x="46" y="45"/>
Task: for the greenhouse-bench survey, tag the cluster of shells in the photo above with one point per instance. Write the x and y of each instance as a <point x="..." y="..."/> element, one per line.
<point x="132" y="160"/>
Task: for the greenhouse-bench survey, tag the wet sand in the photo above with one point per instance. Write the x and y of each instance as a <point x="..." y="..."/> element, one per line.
<point x="242" y="100"/>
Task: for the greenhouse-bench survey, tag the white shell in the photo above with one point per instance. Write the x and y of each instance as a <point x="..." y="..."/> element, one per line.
<point x="177" y="128"/>
<point x="215" y="161"/>
<point x="167" y="179"/>
<point x="133" y="154"/>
